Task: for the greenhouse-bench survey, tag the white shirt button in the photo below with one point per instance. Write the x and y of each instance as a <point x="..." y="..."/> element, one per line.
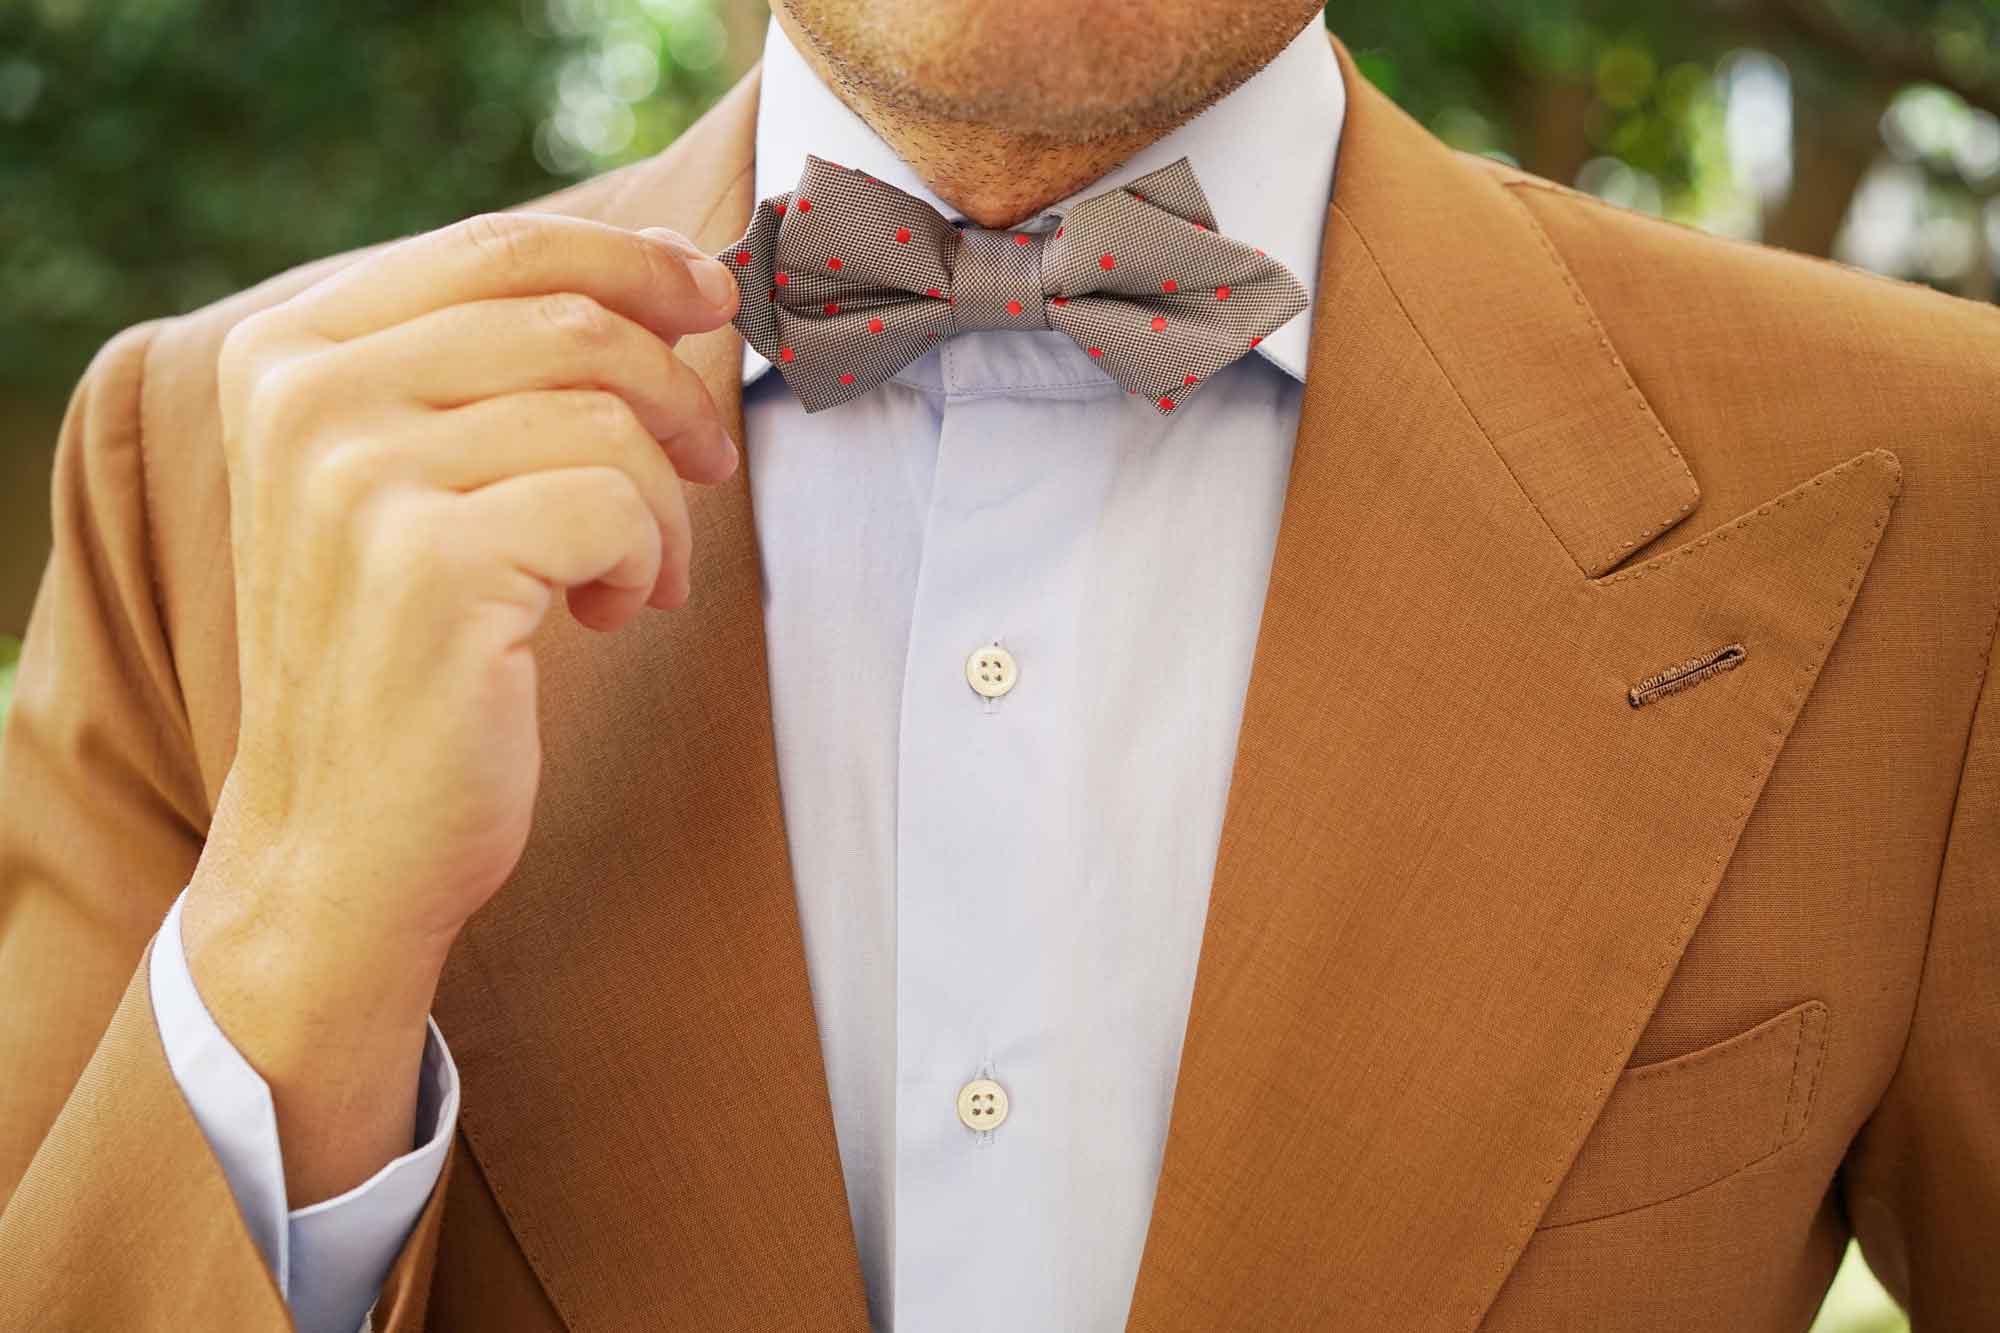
<point x="982" y="1104"/>
<point x="991" y="671"/>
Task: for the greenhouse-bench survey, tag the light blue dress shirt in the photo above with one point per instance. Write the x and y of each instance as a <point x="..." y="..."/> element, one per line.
<point x="1011" y="888"/>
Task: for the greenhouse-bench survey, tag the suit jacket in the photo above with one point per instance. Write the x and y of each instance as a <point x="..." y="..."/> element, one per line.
<point x="1519" y="1006"/>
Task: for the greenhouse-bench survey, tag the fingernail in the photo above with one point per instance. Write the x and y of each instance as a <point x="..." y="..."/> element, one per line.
<point x="716" y="283"/>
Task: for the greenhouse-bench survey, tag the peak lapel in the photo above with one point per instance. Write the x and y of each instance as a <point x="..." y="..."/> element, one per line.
<point x="1458" y="866"/>
<point x="643" y="1087"/>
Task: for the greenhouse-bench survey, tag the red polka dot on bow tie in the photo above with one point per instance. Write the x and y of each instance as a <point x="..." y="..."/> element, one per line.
<point x="785" y="354"/>
<point x="1201" y="226"/>
<point x="1059" y="227"/>
<point x="1097" y="351"/>
<point x="874" y="326"/>
<point x="1140" y="197"/>
<point x="1254" y="341"/>
<point x="833" y="262"/>
<point x="1166" y="404"/>
<point x="1159" y="323"/>
<point x="805" y="205"/>
<point x="847" y="378"/>
<point x="1019" y="239"/>
<point x="1170" y="286"/>
<point x="1107" y="262"/>
<point x="1192" y="379"/>
<point x="1058" y="300"/>
<point x="902" y="235"/>
<point x="742" y="256"/>
<point x="781" y="278"/>
<point x="779" y="208"/>
<point x="1258" y="251"/>
<point x="833" y="307"/>
<point x="935" y="293"/>
<point x="1222" y="293"/>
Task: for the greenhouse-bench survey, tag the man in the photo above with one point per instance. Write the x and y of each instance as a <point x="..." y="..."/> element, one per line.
<point x="1483" y="812"/>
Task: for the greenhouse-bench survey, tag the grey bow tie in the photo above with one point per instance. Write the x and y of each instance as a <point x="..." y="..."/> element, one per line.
<point x="847" y="280"/>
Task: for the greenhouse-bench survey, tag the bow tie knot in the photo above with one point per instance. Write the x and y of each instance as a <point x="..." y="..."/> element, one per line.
<point x="996" y="281"/>
<point x="846" y="280"/>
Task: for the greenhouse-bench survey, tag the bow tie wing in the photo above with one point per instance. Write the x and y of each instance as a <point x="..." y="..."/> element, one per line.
<point x="1144" y="283"/>
<point x="844" y="281"/>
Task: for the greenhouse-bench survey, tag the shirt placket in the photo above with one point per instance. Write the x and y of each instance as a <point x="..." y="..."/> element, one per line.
<point x="987" y="782"/>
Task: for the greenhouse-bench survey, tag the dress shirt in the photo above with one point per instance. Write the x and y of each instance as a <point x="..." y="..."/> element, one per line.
<point x="1009" y="887"/>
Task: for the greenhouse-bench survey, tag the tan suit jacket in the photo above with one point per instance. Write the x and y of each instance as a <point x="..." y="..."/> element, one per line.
<point x="1519" y="1007"/>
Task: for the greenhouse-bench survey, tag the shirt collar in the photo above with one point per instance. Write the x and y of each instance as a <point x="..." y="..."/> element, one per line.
<point x="1264" y="155"/>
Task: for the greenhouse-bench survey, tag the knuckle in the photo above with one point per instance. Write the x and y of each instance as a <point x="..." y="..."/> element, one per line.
<point x="503" y="238"/>
<point x="604" y="415"/>
<point x="611" y="487"/>
<point x="577" y="318"/>
<point x="284" y="401"/>
<point x="243" y="347"/>
<point x="342" y="477"/>
<point x="617" y="494"/>
<point x="407" y="547"/>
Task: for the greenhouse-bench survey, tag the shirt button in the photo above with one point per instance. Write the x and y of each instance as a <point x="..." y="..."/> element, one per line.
<point x="991" y="671"/>
<point x="982" y="1104"/>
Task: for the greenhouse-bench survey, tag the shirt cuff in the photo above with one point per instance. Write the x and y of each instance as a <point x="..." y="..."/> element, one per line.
<point x="329" y="1259"/>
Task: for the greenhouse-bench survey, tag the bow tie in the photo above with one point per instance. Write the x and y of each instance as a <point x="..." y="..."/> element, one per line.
<point x="847" y="280"/>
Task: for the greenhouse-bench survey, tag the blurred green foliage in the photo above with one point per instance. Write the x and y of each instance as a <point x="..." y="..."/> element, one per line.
<point x="158" y="154"/>
<point x="1631" y="98"/>
<point x="10" y="654"/>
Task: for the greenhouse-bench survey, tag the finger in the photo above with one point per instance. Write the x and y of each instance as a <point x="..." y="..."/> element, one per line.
<point x="657" y="280"/>
<point x="575" y="528"/>
<point x="485" y="349"/>
<point x="550" y="431"/>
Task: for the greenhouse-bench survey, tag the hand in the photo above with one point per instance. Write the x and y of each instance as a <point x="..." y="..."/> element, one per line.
<point x="421" y="450"/>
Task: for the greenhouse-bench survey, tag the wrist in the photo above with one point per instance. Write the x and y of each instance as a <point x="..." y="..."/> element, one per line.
<point x="290" y="949"/>
<point x="265" y="901"/>
<point x="334" y="1021"/>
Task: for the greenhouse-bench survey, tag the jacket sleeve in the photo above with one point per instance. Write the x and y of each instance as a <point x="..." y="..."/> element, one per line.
<point x="330" y="1257"/>
<point x="114" y="1213"/>
<point x="1922" y="1181"/>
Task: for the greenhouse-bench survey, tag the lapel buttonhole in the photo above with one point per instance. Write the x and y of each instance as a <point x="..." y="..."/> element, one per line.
<point x="1682" y="675"/>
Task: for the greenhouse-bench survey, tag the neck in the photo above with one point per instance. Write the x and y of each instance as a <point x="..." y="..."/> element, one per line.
<point x="995" y="176"/>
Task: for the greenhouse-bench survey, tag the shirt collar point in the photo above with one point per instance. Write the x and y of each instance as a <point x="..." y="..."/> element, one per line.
<point x="1288" y="346"/>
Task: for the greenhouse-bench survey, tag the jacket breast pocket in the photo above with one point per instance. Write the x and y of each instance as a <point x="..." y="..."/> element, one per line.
<point x="1671" y="1128"/>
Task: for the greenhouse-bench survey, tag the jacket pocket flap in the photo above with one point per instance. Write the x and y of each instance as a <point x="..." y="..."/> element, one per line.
<point x="1671" y="1128"/>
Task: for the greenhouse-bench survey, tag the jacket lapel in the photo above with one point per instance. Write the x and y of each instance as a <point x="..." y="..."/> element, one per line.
<point x="1458" y="867"/>
<point x="643" y="1086"/>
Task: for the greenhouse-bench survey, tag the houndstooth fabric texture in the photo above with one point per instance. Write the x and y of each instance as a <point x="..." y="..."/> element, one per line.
<point x="846" y="280"/>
